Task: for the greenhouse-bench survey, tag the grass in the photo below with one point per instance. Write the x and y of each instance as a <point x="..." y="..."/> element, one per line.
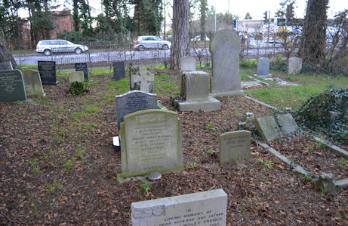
<point x="165" y="85"/>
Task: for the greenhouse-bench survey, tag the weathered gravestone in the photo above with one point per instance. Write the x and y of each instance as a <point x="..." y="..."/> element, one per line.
<point x="150" y="142"/>
<point x="76" y="76"/>
<point x="6" y="66"/>
<point x="134" y="101"/>
<point x="33" y="85"/>
<point x="12" y="86"/>
<point x="119" y="70"/>
<point x="287" y="123"/>
<point x="47" y="70"/>
<point x="268" y="128"/>
<point x="195" y="91"/>
<point x="263" y="67"/>
<point x="84" y="68"/>
<point x="225" y="49"/>
<point x="295" y="65"/>
<point x="142" y="80"/>
<point x="234" y="146"/>
<point x="188" y="63"/>
<point x="202" y="209"/>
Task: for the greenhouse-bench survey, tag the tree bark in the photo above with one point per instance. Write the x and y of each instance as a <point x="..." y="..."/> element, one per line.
<point x="180" y="32"/>
<point x="5" y="54"/>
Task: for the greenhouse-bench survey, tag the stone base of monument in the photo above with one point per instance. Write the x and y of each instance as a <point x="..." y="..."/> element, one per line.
<point x="227" y="93"/>
<point x="206" y="105"/>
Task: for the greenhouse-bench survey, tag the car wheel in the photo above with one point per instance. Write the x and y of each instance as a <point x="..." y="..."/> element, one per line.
<point x="165" y="47"/>
<point x="141" y="48"/>
<point x="78" y="51"/>
<point x="47" y="52"/>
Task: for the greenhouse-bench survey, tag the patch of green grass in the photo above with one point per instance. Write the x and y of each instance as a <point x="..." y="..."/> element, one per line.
<point x="211" y="152"/>
<point x="342" y="163"/>
<point x="248" y="63"/>
<point x="146" y="187"/>
<point x="210" y="127"/>
<point x="92" y="108"/>
<point x="95" y="71"/>
<point x="69" y="164"/>
<point x="266" y="164"/>
<point x="79" y="155"/>
<point x="88" y="126"/>
<point x="165" y="85"/>
<point x="191" y="166"/>
<point x="54" y="187"/>
<point x="24" y="67"/>
<point x="34" y="164"/>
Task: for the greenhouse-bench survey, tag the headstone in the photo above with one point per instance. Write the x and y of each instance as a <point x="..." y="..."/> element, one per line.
<point x="195" y="91"/>
<point x="82" y="67"/>
<point x="47" y="70"/>
<point x="225" y="49"/>
<point x="150" y="142"/>
<point x="12" y="86"/>
<point x="188" y="63"/>
<point x="263" y="67"/>
<point x="295" y="65"/>
<point x="287" y="123"/>
<point x="142" y="80"/>
<point x="6" y="66"/>
<point x="119" y="70"/>
<point x="134" y="101"/>
<point x="268" y="128"/>
<point x="76" y="76"/>
<point x="234" y="146"/>
<point x="202" y="209"/>
<point x="33" y="84"/>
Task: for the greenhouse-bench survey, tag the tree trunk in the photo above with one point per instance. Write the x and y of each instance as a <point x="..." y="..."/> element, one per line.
<point x="5" y="55"/>
<point x="180" y="32"/>
<point x="314" y="33"/>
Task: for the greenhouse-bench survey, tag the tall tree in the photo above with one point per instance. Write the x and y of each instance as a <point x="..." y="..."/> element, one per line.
<point x="10" y="21"/>
<point x="5" y="54"/>
<point x="203" y="17"/>
<point x="248" y="16"/>
<point x="82" y="16"/>
<point x="314" y="33"/>
<point x="180" y="32"/>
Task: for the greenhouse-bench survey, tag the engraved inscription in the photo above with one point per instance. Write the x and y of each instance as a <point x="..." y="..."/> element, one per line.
<point x="9" y="82"/>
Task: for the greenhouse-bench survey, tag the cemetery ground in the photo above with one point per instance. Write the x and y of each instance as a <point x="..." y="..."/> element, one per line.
<point x="59" y="167"/>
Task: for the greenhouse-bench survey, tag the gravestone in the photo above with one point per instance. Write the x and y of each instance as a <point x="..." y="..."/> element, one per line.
<point x="119" y="70"/>
<point x="268" y="128"/>
<point x="195" y="92"/>
<point x="234" y="146"/>
<point x="263" y="67"/>
<point x="76" y="76"/>
<point x="225" y="49"/>
<point x="201" y="208"/>
<point x="12" y="86"/>
<point x="6" y="66"/>
<point x="150" y="142"/>
<point x="142" y="80"/>
<point x="287" y="123"/>
<point x="188" y="63"/>
<point x="82" y="67"/>
<point x="33" y="85"/>
<point x="47" y="70"/>
<point x="295" y="65"/>
<point x="134" y="101"/>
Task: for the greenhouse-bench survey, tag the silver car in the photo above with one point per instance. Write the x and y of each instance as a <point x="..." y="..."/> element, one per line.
<point x="47" y="47"/>
<point x="151" y="42"/>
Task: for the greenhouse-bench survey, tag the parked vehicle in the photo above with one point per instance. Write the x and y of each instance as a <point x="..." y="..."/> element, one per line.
<point x="198" y="38"/>
<point x="151" y="42"/>
<point x="47" y="47"/>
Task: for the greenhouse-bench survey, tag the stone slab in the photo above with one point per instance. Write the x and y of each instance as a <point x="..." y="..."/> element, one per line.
<point x="202" y="209"/>
<point x="206" y="105"/>
<point x="295" y="65"/>
<point x="47" y="70"/>
<point x="287" y="123"/>
<point x="150" y="142"/>
<point x="188" y="63"/>
<point x="119" y="70"/>
<point x="134" y="101"/>
<point x="234" y="146"/>
<point x="84" y="68"/>
<point x="195" y="85"/>
<point x="12" y="86"/>
<point x="76" y="76"/>
<point x="142" y="80"/>
<point x="263" y="67"/>
<point x="33" y="84"/>
<point x="268" y="128"/>
<point x="6" y="66"/>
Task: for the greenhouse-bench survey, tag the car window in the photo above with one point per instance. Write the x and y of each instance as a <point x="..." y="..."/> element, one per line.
<point x="150" y="39"/>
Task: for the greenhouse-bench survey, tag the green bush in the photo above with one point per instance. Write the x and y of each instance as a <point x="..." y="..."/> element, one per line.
<point x="78" y="88"/>
<point x="251" y="63"/>
<point x="279" y="63"/>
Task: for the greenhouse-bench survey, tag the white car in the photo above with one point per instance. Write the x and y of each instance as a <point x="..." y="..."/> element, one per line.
<point x="151" y="42"/>
<point x="198" y="38"/>
<point x="47" y="47"/>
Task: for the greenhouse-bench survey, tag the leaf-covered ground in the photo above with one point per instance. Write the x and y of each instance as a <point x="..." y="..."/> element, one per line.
<point x="57" y="165"/>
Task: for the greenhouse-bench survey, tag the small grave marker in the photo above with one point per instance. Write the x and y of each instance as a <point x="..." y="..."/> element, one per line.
<point x="83" y="67"/>
<point x="12" y="86"/>
<point x="234" y="146"/>
<point x="263" y="67"/>
<point x="33" y="84"/>
<point x="76" y="76"/>
<point x="287" y="123"/>
<point x="295" y="65"/>
<point x="188" y="63"/>
<point x="142" y="80"/>
<point x="119" y="70"/>
<point x="47" y="70"/>
<point x="268" y="128"/>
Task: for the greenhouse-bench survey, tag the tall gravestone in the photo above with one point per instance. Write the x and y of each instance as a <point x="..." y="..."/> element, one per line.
<point x="142" y="80"/>
<point x="263" y="67"/>
<point x="6" y="66"/>
<point x="207" y="208"/>
<point x="84" y="68"/>
<point x="12" y="86"/>
<point x="150" y="142"/>
<point x="33" y="84"/>
<point x="119" y="70"/>
<point x="48" y="73"/>
<point x="134" y="101"/>
<point x="188" y="63"/>
<point x="195" y="91"/>
<point x="225" y="49"/>
<point x="234" y="146"/>
<point x="295" y="65"/>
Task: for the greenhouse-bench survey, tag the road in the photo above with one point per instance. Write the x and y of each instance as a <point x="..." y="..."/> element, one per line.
<point x="111" y="56"/>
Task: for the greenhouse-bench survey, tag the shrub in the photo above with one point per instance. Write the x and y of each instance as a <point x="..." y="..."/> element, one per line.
<point x="78" y="88"/>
